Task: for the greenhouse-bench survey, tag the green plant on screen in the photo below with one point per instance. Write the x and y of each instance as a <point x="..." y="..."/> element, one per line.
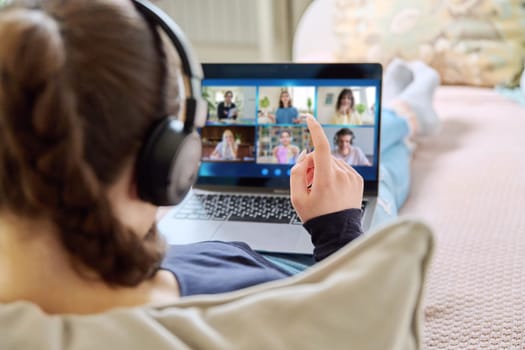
<point x="360" y="108"/>
<point x="264" y="102"/>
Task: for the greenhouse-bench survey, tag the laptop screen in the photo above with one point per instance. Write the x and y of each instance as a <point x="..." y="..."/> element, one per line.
<point x="256" y="120"/>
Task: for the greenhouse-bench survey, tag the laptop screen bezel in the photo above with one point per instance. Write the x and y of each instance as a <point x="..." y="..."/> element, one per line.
<point x="372" y="71"/>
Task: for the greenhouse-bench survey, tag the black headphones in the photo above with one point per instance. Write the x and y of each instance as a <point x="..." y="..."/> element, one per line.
<point x="342" y="132"/>
<point x="169" y="160"/>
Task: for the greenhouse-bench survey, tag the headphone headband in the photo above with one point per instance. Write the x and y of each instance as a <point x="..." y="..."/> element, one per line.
<point x="191" y="66"/>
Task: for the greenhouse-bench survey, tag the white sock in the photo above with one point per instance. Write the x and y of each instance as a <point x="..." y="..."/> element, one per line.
<point x="419" y="95"/>
<point x="397" y="77"/>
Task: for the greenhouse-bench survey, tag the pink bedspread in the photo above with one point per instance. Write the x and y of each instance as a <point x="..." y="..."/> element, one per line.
<point x="469" y="185"/>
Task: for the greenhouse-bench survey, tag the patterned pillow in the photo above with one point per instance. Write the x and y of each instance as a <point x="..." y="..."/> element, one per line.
<point x="473" y="42"/>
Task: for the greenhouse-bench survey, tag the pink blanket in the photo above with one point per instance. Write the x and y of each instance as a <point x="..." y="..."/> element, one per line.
<point x="469" y="185"/>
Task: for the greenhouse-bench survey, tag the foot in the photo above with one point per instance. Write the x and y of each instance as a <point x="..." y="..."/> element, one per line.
<point x="397" y="77"/>
<point x="419" y="95"/>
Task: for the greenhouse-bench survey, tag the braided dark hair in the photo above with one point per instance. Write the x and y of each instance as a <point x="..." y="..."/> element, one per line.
<point x="79" y="88"/>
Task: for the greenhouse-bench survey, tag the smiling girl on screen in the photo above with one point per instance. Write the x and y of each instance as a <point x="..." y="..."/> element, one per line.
<point x="344" y="109"/>
<point x="285" y="152"/>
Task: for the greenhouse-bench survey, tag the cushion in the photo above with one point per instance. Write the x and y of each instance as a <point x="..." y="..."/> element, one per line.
<point x="366" y="296"/>
<point x="470" y="42"/>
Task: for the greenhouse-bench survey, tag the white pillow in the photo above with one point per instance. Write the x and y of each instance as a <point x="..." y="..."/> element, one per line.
<point x="366" y="296"/>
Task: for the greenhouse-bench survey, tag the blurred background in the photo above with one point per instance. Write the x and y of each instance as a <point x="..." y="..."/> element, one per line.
<point x="238" y="30"/>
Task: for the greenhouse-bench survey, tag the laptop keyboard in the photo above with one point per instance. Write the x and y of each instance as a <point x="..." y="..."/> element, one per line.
<point x="239" y="207"/>
<point x="233" y="207"/>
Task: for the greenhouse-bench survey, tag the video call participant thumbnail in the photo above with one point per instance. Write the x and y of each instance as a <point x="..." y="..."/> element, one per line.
<point x="227" y="109"/>
<point x="346" y="150"/>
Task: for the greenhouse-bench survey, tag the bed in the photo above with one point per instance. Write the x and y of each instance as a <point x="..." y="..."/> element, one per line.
<point x="469" y="185"/>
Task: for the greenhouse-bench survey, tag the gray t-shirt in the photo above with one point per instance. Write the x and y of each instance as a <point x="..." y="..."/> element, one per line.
<point x="355" y="157"/>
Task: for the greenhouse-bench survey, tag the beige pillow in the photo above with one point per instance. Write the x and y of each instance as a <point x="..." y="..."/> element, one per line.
<point x="366" y="296"/>
<point x="472" y="42"/>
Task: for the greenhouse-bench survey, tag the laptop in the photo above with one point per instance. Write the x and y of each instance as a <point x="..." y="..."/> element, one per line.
<point x="243" y="188"/>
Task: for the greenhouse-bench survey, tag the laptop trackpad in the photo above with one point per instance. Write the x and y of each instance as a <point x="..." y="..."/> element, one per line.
<point x="266" y="237"/>
<point x="187" y="231"/>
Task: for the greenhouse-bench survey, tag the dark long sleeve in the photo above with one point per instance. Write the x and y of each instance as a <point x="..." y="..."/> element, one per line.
<point x="223" y="111"/>
<point x="220" y="111"/>
<point x="332" y="231"/>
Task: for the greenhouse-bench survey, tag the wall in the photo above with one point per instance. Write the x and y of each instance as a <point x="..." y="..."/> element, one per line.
<point x="238" y="30"/>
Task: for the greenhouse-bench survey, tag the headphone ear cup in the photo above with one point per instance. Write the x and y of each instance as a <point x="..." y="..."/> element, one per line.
<point x="168" y="163"/>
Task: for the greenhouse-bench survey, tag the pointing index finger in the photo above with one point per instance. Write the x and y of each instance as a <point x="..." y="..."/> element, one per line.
<point x="322" y="155"/>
